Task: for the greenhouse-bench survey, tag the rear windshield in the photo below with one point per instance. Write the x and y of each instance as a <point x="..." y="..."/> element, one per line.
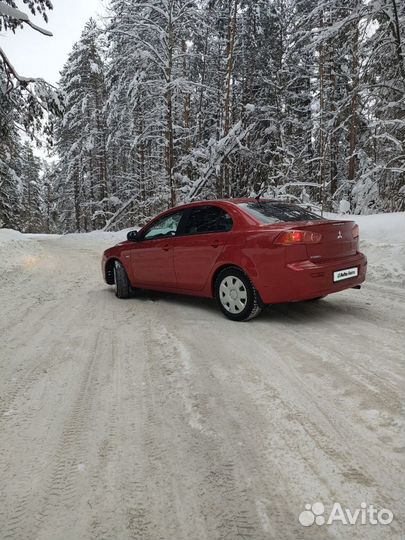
<point x="275" y="212"/>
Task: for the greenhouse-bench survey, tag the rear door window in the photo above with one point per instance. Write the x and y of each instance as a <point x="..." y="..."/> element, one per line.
<point x="274" y="212"/>
<point x="207" y="219"/>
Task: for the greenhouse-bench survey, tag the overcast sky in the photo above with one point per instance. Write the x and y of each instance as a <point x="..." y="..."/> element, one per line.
<point x="35" y="55"/>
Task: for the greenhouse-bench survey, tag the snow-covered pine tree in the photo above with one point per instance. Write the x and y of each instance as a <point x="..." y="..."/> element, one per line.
<point x="31" y="215"/>
<point x="223" y="121"/>
<point x="134" y="165"/>
<point x="150" y="99"/>
<point x="51" y="204"/>
<point x="10" y="166"/>
<point x="380" y="183"/>
<point x="82" y="138"/>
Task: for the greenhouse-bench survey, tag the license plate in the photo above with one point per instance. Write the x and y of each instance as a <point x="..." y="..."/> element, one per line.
<point x="348" y="273"/>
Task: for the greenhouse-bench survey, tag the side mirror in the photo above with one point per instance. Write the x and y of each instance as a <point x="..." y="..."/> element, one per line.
<point x="132" y="236"/>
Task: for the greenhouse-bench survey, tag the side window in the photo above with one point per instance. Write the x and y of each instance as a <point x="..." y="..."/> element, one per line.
<point x="207" y="219"/>
<point x="164" y="227"/>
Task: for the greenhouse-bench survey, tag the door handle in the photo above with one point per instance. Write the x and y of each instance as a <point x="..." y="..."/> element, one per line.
<point x="166" y="247"/>
<point x="215" y="243"/>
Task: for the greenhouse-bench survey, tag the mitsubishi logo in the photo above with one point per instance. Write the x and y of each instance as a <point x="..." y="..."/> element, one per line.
<point x="339" y="236"/>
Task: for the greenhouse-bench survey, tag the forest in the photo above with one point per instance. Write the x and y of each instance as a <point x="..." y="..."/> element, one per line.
<point x="162" y="102"/>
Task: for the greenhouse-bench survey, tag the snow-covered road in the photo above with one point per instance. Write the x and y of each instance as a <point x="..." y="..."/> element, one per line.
<point x="158" y="418"/>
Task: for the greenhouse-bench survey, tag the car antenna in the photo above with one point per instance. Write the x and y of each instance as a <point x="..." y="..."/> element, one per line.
<point x="258" y="197"/>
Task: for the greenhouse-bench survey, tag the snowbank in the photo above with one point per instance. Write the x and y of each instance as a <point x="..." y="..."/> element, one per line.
<point x="97" y="239"/>
<point x="379" y="227"/>
<point x="382" y="239"/>
<point x="16" y="249"/>
<point x="9" y="235"/>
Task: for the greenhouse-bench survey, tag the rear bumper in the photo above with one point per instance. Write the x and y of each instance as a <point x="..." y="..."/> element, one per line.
<point x="305" y="279"/>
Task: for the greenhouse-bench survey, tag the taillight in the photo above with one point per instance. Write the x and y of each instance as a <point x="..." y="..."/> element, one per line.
<point x="289" y="238"/>
<point x="355" y="231"/>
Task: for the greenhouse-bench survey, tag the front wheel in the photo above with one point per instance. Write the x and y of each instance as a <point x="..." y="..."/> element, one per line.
<point x="236" y="296"/>
<point x="121" y="281"/>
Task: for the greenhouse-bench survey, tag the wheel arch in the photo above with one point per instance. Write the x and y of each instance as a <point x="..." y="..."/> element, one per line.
<point x="109" y="270"/>
<point x="223" y="267"/>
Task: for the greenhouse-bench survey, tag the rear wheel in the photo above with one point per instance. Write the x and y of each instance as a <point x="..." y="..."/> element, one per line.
<point x="121" y="282"/>
<point x="236" y="296"/>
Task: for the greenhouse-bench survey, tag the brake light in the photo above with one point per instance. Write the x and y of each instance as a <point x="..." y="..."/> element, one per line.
<point x="355" y="231"/>
<point x="289" y="238"/>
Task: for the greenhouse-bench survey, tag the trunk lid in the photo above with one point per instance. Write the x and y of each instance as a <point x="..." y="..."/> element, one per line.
<point x="337" y="239"/>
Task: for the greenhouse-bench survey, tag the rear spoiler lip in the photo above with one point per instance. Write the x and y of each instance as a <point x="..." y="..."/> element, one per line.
<point x="329" y="221"/>
<point x="301" y="224"/>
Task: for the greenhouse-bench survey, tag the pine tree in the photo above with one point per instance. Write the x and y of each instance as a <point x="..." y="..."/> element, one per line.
<point x="382" y="183"/>
<point x="31" y="215"/>
<point x="150" y="99"/>
<point x="82" y="137"/>
<point x="10" y="165"/>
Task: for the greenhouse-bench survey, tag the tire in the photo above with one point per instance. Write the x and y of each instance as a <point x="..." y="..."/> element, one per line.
<point x="121" y="281"/>
<point x="236" y="296"/>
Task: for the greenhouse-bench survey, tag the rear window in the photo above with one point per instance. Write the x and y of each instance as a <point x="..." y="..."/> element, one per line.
<point x="274" y="212"/>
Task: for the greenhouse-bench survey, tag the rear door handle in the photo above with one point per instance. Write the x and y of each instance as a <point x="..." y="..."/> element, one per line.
<point x="166" y="247"/>
<point x="215" y="243"/>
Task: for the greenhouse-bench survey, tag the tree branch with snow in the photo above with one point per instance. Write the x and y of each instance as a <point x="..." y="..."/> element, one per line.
<point x="29" y="97"/>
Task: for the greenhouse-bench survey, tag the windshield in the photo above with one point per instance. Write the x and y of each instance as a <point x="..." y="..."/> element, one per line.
<point x="276" y="212"/>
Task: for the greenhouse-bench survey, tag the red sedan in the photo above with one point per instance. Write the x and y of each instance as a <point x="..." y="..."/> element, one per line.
<point x="244" y="252"/>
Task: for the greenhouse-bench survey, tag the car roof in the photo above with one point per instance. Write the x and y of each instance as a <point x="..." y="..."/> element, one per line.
<point x="227" y="203"/>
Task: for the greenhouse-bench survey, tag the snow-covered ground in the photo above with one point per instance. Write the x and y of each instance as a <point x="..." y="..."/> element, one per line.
<point x="158" y="418"/>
